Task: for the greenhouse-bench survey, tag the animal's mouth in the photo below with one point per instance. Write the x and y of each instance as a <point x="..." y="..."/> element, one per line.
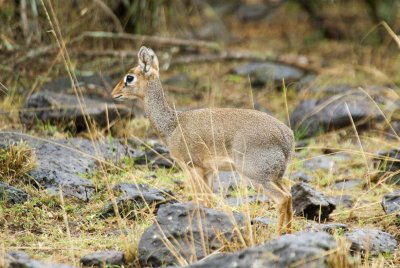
<point x="119" y="97"/>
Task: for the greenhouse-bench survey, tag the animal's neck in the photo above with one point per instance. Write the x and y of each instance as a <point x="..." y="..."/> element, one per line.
<point x="156" y="107"/>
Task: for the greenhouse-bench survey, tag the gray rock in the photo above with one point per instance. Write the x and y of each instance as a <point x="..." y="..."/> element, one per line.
<point x="19" y="259"/>
<point x="372" y="240"/>
<point x="342" y="156"/>
<point x="388" y="162"/>
<point x="302" y="144"/>
<point x="309" y="202"/>
<point x="337" y="155"/>
<point x="118" y="233"/>
<point x="181" y="80"/>
<point x="320" y="162"/>
<point x="60" y="108"/>
<point x="383" y="95"/>
<point x="135" y="197"/>
<point x="391" y="159"/>
<point x="349" y="184"/>
<point x="396" y="127"/>
<point x="62" y="163"/>
<point x="249" y="12"/>
<point x="226" y="181"/>
<point x="234" y="201"/>
<point x="181" y="183"/>
<point x="223" y="8"/>
<point x="12" y="195"/>
<point x="329" y="228"/>
<point x="262" y="73"/>
<point x="212" y="29"/>
<point x="259" y="107"/>
<point x="342" y="200"/>
<point x="95" y="85"/>
<point x="181" y="228"/>
<point x="391" y="203"/>
<point x="301" y="176"/>
<point x="333" y="89"/>
<point x="314" y="116"/>
<point x="103" y="258"/>
<point x="391" y="156"/>
<point x="154" y="154"/>
<point x="380" y="94"/>
<point x="263" y="221"/>
<point x="285" y="251"/>
<point x="304" y="83"/>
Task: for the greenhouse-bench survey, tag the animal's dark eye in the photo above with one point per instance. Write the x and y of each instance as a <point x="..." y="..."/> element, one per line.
<point x="130" y="78"/>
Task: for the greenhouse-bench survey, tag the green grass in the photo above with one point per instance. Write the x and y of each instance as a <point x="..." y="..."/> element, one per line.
<point x="38" y="226"/>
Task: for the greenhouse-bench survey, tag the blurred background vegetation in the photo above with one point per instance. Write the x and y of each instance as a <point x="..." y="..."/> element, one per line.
<point x="297" y="26"/>
<point x="338" y="42"/>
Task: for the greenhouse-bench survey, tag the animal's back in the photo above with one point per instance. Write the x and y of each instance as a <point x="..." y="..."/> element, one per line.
<point x="218" y="131"/>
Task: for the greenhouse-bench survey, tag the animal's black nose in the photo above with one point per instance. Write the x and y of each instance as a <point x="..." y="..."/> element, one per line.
<point x="129" y="78"/>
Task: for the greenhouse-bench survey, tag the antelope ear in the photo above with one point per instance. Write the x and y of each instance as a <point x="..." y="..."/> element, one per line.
<point x="148" y="60"/>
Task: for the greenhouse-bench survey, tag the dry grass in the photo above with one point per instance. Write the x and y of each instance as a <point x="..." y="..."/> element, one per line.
<point x="16" y="161"/>
<point x="53" y="230"/>
<point x="88" y="233"/>
<point x="138" y="127"/>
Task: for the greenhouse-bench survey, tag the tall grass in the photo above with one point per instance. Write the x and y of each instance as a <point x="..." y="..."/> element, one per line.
<point x="18" y="160"/>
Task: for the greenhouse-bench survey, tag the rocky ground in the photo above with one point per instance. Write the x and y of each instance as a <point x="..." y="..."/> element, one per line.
<point x="87" y="182"/>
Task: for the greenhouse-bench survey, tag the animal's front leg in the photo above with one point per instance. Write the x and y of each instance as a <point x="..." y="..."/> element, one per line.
<point x="200" y="185"/>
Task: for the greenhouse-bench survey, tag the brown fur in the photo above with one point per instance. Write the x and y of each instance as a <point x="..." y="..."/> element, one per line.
<point x="206" y="140"/>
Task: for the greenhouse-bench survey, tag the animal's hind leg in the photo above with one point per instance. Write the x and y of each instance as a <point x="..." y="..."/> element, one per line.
<point x="289" y="207"/>
<point x="266" y="166"/>
<point x="282" y="198"/>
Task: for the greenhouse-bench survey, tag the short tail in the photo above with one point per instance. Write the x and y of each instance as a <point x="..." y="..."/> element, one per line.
<point x="288" y="146"/>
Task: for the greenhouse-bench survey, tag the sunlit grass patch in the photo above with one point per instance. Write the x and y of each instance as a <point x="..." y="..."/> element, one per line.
<point x="138" y="127"/>
<point x="127" y="171"/>
<point x="37" y="227"/>
<point x="16" y="160"/>
<point x="50" y="130"/>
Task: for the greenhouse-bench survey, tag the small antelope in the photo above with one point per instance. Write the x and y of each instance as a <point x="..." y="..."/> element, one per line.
<point x="203" y="141"/>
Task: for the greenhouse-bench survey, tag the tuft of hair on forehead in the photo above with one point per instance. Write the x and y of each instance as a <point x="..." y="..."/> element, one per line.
<point x="135" y="70"/>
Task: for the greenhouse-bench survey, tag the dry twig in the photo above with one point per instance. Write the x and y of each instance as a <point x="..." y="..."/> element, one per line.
<point x="156" y="41"/>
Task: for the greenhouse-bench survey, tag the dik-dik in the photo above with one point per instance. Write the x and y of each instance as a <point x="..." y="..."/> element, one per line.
<point x="203" y="141"/>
